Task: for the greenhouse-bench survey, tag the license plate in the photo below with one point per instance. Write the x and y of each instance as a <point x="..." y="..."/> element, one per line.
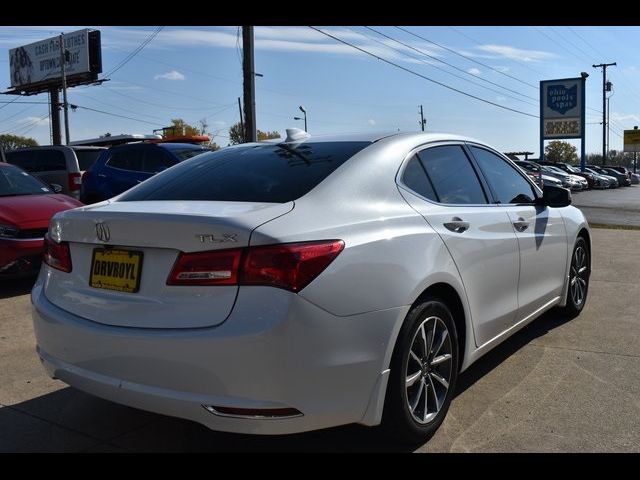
<point x="118" y="270"/>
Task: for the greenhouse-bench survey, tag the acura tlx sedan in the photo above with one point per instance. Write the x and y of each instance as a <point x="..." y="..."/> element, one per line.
<point x="275" y="288"/>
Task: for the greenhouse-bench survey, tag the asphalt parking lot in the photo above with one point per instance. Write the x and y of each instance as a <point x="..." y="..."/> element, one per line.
<point x="618" y="206"/>
<point x="556" y="386"/>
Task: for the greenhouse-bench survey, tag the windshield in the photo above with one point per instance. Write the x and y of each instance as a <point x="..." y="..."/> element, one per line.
<point x="14" y="181"/>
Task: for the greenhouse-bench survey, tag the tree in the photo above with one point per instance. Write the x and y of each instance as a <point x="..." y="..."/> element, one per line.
<point x="236" y="135"/>
<point x="559" y="151"/>
<point x="9" y="142"/>
<point x="182" y="128"/>
<point x="267" y="135"/>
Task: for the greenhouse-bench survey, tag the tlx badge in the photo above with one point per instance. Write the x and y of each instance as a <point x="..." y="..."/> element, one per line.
<point x="216" y="238"/>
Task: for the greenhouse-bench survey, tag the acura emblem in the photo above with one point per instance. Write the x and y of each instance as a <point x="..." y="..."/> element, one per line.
<point x="102" y="232"/>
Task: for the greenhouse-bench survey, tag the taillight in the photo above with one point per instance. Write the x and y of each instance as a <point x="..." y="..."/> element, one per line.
<point x="57" y="255"/>
<point x="75" y="180"/>
<point x="291" y="266"/>
<point x="218" y="267"/>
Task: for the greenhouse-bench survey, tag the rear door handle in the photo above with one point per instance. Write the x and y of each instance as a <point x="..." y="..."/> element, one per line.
<point x="457" y="225"/>
<point x="101" y="175"/>
<point x="521" y="225"/>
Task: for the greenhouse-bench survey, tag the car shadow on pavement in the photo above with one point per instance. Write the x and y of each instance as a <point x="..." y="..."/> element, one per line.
<point x="16" y="287"/>
<point x="538" y="328"/>
<point x="71" y="420"/>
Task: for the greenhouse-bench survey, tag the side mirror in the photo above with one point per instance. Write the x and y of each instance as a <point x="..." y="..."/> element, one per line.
<point x="553" y="196"/>
<point x="55" y="187"/>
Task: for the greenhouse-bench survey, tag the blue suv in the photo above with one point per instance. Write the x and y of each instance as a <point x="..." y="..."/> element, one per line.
<point x="123" y="167"/>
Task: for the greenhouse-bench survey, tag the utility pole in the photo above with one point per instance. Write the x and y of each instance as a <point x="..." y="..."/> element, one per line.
<point x="241" y="121"/>
<point x="604" y="108"/>
<point x="249" y="85"/>
<point x="422" y="120"/>
<point x="64" y="89"/>
<point x="56" y="134"/>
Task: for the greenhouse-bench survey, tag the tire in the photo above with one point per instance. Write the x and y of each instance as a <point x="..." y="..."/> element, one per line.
<point x="579" y="274"/>
<point x="418" y="421"/>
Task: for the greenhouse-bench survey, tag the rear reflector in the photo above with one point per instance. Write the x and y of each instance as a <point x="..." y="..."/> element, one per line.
<point x="256" y="413"/>
<point x="219" y="267"/>
<point x="57" y="255"/>
<point x="291" y="266"/>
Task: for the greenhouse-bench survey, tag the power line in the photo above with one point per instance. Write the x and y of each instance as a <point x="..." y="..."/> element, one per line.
<point x="121" y="108"/>
<point x="16" y="114"/>
<point x="9" y="103"/>
<point x="116" y="115"/>
<point x="129" y="57"/>
<point x="467" y="57"/>
<point x="22" y="101"/>
<point x="456" y="68"/>
<point x="18" y="130"/>
<point x="586" y="55"/>
<point x="422" y="76"/>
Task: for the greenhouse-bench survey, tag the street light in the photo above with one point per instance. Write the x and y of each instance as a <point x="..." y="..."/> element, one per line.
<point x="305" y="117"/>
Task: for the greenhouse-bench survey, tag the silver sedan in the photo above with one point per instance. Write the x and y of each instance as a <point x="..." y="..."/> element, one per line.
<point x="282" y="287"/>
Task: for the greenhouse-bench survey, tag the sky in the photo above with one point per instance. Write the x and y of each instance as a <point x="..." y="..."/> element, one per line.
<point x="195" y="73"/>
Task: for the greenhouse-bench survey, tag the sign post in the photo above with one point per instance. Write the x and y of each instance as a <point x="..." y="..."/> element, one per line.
<point x="632" y="144"/>
<point x="562" y="113"/>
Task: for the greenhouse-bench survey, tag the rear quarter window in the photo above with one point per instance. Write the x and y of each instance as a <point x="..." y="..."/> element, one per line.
<point x="272" y="173"/>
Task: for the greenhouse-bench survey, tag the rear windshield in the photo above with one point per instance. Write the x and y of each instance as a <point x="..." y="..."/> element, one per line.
<point x="273" y="173"/>
<point x="86" y="158"/>
<point x="35" y="161"/>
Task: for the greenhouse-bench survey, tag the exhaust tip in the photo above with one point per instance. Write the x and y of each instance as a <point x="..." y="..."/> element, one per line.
<point x="253" y="413"/>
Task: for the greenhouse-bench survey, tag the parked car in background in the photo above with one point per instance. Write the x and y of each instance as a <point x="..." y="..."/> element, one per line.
<point x="273" y="288"/>
<point x="635" y="178"/>
<point x="591" y="179"/>
<point x="59" y="164"/>
<point x="26" y="206"/>
<point x="621" y="169"/>
<point x="535" y="173"/>
<point x="611" y="181"/>
<point x="623" y="178"/>
<point x="569" y="180"/>
<point x="125" y="166"/>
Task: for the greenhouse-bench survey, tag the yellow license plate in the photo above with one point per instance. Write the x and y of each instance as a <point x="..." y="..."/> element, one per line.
<point x="116" y="269"/>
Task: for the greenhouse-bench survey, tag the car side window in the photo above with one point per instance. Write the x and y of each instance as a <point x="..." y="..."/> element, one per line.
<point x="127" y="159"/>
<point x="154" y="161"/>
<point x="507" y="184"/>
<point x="415" y="178"/>
<point x="452" y="176"/>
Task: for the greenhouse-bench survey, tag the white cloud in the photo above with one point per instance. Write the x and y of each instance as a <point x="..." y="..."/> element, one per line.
<point x="624" y="118"/>
<point x="35" y="121"/>
<point x="172" y="75"/>
<point x="371" y="121"/>
<point x="513" y="53"/>
<point x="474" y="71"/>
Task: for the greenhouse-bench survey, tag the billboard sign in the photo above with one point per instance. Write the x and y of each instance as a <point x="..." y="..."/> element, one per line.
<point x="39" y="62"/>
<point x="632" y="140"/>
<point x="562" y="108"/>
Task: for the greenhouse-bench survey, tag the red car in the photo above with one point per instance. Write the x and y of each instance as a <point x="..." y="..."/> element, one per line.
<point x="26" y="206"/>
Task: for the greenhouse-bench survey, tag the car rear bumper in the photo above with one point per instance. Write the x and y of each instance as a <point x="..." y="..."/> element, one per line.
<point x="276" y="350"/>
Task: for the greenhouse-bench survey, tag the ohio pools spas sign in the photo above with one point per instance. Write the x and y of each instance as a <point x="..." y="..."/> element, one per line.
<point x="561" y="108"/>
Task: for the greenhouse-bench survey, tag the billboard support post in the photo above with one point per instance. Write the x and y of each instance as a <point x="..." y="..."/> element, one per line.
<point x="55" y="116"/>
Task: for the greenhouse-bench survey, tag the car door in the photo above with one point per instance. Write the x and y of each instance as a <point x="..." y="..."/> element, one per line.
<point x="541" y="234"/>
<point x="451" y="196"/>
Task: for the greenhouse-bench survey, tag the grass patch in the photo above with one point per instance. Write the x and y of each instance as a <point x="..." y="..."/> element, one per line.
<point x="614" y="227"/>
